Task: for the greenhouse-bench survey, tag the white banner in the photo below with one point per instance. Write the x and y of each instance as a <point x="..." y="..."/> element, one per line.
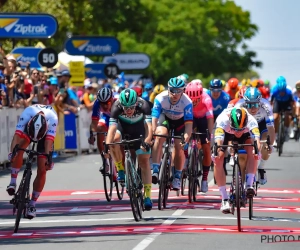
<point x="129" y="61"/>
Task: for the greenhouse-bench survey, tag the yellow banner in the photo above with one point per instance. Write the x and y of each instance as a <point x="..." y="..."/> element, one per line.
<point x="77" y="72"/>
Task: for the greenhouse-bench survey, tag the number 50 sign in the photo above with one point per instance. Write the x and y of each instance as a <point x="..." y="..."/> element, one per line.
<point x="48" y="58"/>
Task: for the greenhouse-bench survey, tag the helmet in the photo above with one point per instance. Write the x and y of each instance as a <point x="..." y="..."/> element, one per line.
<point x="254" y="83"/>
<point x="260" y="83"/>
<point x="267" y="82"/>
<point x="252" y="95"/>
<point x="246" y="82"/>
<point x="104" y="94"/>
<point x="148" y="86"/>
<point x="223" y="84"/>
<point x="297" y="85"/>
<point x="238" y="118"/>
<point x="215" y="84"/>
<point x="176" y="83"/>
<point x="242" y="91"/>
<point x="37" y="127"/>
<point x="194" y="89"/>
<point x="121" y="86"/>
<point x="280" y="79"/>
<point x="158" y="89"/>
<point x="145" y="96"/>
<point x="184" y="77"/>
<point x="233" y="83"/>
<point x="281" y="84"/>
<point x="138" y="90"/>
<point x="128" y="97"/>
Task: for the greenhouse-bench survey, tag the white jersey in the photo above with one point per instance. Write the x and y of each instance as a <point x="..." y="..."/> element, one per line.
<point x="264" y="112"/>
<point x="223" y="122"/>
<point x="31" y="111"/>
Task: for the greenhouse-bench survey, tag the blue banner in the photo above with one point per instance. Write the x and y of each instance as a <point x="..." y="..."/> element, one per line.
<point x="70" y="131"/>
<point x="95" y="70"/>
<point x="27" y="54"/>
<point x="92" y="45"/>
<point x="27" y="25"/>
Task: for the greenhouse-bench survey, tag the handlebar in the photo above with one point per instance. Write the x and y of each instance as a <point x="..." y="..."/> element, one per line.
<point x="194" y="134"/>
<point x="31" y="152"/>
<point x="235" y="146"/>
<point x="267" y="141"/>
<point x="125" y="142"/>
<point x="172" y="136"/>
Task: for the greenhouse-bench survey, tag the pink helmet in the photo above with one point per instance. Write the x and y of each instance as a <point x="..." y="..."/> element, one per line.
<point x="194" y="89"/>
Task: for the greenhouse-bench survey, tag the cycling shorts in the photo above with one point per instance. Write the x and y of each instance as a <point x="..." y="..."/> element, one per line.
<point x="200" y="126"/>
<point x="281" y="106"/>
<point x="176" y="125"/>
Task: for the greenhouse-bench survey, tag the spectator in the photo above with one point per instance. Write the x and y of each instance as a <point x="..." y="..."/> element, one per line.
<point x="89" y="95"/>
<point x="3" y="91"/>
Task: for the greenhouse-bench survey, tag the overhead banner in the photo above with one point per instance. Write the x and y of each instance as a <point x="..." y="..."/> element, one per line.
<point x="17" y="25"/>
<point x="95" y="70"/>
<point x="129" y="61"/>
<point x="92" y="45"/>
<point x="26" y="55"/>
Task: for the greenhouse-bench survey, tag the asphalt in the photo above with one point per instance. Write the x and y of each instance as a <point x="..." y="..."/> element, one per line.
<point x="74" y="214"/>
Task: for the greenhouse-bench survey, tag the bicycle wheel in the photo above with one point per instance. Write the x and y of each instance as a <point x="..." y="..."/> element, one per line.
<point x="162" y="181"/>
<point x="250" y="208"/>
<point x="140" y="196"/>
<point x="108" y="178"/>
<point x="238" y="196"/>
<point x="183" y="181"/>
<point x="192" y="176"/>
<point x="119" y="189"/>
<point x="131" y="187"/>
<point x="167" y="186"/>
<point x="280" y="137"/>
<point x="24" y="186"/>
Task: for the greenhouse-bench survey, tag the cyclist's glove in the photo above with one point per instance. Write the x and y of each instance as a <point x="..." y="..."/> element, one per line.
<point x="91" y="139"/>
<point x="146" y="146"/>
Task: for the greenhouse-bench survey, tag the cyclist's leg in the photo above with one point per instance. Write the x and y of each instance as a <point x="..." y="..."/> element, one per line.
<point x="243" y="162"/>
<point x="101" y="127"/>
<point x="287" y="108"/>
<point x="251" y="166"/>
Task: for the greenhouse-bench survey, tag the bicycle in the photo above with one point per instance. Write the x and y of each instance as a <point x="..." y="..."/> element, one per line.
<point x="109" y="174"/>
<point x="133" y="181"/>
<point x="237" y="192"/>
<point x="296" y="128"/>
<point x="281" y="133"/>
<point x="165" y="169"/>
<point x="22" y="196"/>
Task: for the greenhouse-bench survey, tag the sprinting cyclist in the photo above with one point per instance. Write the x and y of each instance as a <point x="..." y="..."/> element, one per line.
<point x="172" y="109"/>
<point x="239" y="95"/>
<point x="232" y="87"/>
<point x="157" y="90"/>
<point x="203" y="120"/>
<point x="235" y="124"/>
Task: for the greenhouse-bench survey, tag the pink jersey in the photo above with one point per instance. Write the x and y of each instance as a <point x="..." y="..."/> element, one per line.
<point x="204" y="107"/>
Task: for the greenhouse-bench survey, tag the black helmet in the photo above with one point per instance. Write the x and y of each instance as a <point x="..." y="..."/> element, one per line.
<point x="37" y="127"/>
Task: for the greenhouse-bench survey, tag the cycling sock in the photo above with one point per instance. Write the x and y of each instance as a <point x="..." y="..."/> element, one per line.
<point x="261" y="164"/>
<point x="223" y="192"/>
<point x="35" y="195"/>
<point x="147" y="191"/>
<point x="249" y="179"/>
<point x="119" y="165"/>
<point x="205" y="173"/>
<point x="155" y="167"/>
<point x="177" y="174"/>
<point x="14" y="174"/>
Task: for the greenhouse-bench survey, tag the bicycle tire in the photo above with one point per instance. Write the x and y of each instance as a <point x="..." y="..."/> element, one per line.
<point x="108" y="180"/>
<point x="140" y="198"/>
<point x="119" y="189"/>
<point x="196" y="175"/>
<point x="183" y="181"/>
<point x="131" y="190"/>
<point x="250" y="208"/>
<point x="191" y="168"/>
<point x="238" y="196"/>
<point x="162" y="181"/>
<point x="280" y="137"/>
<point x="167" y="186"/>
<point x="21" y="200"/>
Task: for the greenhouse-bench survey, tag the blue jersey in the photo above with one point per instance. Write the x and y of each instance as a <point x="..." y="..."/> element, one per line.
<point x="182" y="109"/>
<point x="219" y="104"/>
<point x="99" y="115"/>
<point x="286" y="97"/>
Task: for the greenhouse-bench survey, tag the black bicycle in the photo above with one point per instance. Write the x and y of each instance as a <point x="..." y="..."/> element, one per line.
<point x="296" y="128"/>
<point x="281" y="133"/>
<point x="22" y="196"/>
<point x="133" y="180"/>
<point x="237" y="192"/>
<point x="165" y="178"/>
<point x="109" y="174"/>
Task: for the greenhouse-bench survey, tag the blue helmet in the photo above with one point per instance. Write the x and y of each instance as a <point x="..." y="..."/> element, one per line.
<point x="176" y="83"/>
<point x="215" y="84"/>
<point x="252" y="95"/>
<point x="281" y="84"/>
<point x="145" y="96"/>
<point x="148" y="86"/>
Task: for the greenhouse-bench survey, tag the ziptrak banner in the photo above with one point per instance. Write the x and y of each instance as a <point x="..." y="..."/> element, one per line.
<point x="95" y="70"/>
<point x="27" y="25"/>
<point x="26" y="55"/>
<point x="92" y="45"/>
<point x="129" y="61"/>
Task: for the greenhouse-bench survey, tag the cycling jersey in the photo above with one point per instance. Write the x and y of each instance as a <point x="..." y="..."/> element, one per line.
<point x="183" y="108"/>
<point x="265" y="92"/>
<point x="232" y="92"/>
<point x="31" y="111"/>
<point x="204" y="107"/>
<point x="219" y="104"/>
<point x="223" y="126"/>
<point x="232" y="103"/>
<point x="276" y="95"/>
<point x="99" y="114"/>
<point x="263" y="113"/>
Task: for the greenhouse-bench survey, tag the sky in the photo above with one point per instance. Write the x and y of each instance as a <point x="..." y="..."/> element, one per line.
<point x="278" y="22"/>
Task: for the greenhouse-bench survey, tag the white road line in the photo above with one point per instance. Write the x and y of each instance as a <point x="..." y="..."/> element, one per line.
<point x="151" y="237"/>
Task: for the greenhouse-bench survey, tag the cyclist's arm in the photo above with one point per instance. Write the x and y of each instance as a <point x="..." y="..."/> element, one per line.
<point x="148" y="119"/>
<point x="50" y="136"/>
<point x="188" y="120"/>
<point x="156" y="111"/>
<point x="269" y="118"/>
<point x="209" y="115"/>
<point x="113" y="122"/>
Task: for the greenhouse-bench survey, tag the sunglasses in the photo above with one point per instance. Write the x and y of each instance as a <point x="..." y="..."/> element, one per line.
<point x="129" y="108"/>
<point x="176" y="90"/>
<point x="252" y="105"/>
<point x="216" y="90"/>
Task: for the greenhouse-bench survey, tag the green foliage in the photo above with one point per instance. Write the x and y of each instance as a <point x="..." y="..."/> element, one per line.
<point x="201" y="38"/>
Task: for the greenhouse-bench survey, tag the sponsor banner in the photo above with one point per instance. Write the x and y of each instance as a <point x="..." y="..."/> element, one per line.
<point x="27" y="54"/>
<point x="129" y="61"/>
<point x="70" y="131"/>
<point x="95" y="70"/>
<point x="27" y="25"/>
<point x="92" y="45"/>
<point x="77" y="72"/>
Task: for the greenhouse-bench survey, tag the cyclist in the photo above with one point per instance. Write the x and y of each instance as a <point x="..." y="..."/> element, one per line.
<point x="100" y="117"/>
<point x="157" y="90"/>
<point x="261" y="109"/>
<point x="232" y="87"/>
<point x="148" y="89"/>
<point x="203" y="120"/>
<point x="235" y="124"/>
<point x="139" y="92"/>
<point x="172" y="109"/>
<point x="38" y="124"/>
<point x="282" y="100"/>
<point x="131" y="117"/>
<point x="239" y="95"/>
<point x="184" y="77"/>
<point x="220" y="98"/>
